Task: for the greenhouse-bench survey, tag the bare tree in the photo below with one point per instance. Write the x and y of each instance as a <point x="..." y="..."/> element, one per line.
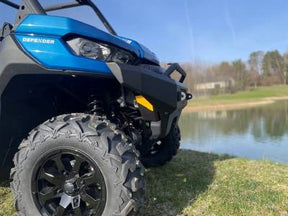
<point x="255" y="66"/>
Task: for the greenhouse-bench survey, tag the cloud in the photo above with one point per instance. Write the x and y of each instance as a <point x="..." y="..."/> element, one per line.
<point x="190" y="30"/>
<point x="229" y="21"/>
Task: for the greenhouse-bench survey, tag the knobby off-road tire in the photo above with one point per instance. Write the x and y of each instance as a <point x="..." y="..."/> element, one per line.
<point x="94" y="139"/>
<point x="164" y="150"/>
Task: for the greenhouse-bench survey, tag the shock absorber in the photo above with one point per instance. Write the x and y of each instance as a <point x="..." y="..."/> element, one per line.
<point x="95" y="106"/>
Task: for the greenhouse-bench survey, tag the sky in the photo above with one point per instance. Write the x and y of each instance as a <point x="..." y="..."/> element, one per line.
<point x="209" y="31"/>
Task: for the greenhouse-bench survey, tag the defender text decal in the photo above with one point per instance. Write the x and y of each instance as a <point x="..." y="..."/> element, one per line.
<point x="38" y="40"/>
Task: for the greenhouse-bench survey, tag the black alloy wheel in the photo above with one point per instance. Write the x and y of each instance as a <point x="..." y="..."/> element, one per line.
<point x="68" y="182"/>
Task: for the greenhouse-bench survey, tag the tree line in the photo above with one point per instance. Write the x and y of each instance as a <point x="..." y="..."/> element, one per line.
<point x="262" y="69"/>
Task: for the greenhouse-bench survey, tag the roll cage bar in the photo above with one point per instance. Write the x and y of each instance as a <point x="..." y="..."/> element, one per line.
<point x="34" y="7"/>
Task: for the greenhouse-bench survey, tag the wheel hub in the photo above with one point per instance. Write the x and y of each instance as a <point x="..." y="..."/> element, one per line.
<point x="70" y="188"/>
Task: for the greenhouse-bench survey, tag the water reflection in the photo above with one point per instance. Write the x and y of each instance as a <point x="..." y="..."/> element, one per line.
<point x="260" y="132"/>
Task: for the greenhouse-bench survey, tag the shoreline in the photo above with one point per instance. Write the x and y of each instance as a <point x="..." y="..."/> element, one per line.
<point x="233" y="105"/>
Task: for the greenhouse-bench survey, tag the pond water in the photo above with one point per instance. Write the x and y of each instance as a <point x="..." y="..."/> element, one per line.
<point x="256" y="133"/>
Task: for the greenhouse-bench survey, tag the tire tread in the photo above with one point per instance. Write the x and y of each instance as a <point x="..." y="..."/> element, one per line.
<point x="114" y="148"/>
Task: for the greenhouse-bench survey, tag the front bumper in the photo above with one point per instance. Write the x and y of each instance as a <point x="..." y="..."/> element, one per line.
<point x="169" y="97"/>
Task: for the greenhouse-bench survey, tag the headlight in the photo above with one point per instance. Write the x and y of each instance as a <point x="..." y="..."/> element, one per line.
<point x="122" y="57"/>
<point x="89" y="49"/>
<point x="100" y="51"/>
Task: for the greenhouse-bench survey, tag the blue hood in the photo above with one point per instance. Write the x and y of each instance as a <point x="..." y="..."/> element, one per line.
<point x="61" y="26"/>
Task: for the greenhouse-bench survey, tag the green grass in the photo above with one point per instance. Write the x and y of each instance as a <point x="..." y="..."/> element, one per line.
<point x="6" y="200"/>
<point x="252" y="95"/>
<point x="208" y="184"/>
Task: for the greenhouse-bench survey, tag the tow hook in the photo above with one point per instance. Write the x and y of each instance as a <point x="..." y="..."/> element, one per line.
<point x="189" y="96"/>
<point x="186" y="96"/>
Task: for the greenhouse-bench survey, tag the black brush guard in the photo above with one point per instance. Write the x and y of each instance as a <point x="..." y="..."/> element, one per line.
<point x="169" y="97"/>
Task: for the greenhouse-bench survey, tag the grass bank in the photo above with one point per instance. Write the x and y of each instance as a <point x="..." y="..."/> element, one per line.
<point x="253" y="97"/>
<point x="208" y="184"/>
